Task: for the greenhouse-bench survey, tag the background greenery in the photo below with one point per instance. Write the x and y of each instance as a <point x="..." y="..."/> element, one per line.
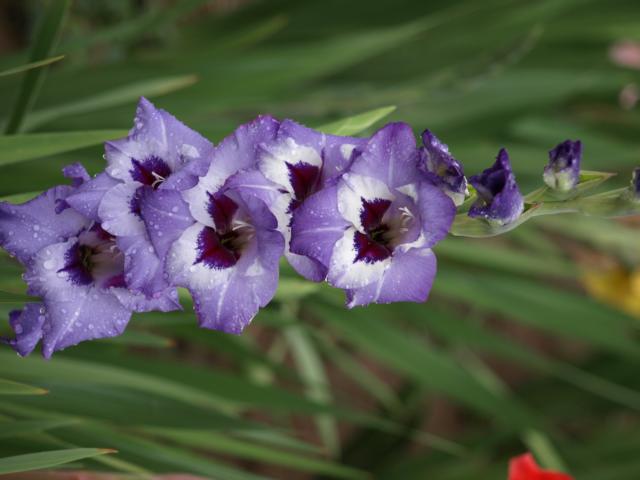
<point x="529" y="341"/>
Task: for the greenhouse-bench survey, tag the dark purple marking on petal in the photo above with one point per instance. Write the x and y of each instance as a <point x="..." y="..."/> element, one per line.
<point x="370" y="250"/>
<point x="372" y="212"/>
<point x="304" y="179"/>
<point x="151" y="171"/>
<point x="373" y="245"/>
<point x="134" y="204"/>
<point x="635" y="181"/>
<point x="216" y="251"/>
<point x="78" y="264"/>
<point x="222" y="210"/>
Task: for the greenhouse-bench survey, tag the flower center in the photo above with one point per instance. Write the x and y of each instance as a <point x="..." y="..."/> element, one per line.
<point x="152" y="171"/>
<point x="95" y="259"/>
<point x="222" y="246"/>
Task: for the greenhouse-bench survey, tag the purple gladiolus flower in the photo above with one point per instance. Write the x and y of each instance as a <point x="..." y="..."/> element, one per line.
<point x="160" y="153"/>
<point x="220" y="241"/>
<point x="444" y="170"/>
<point x="373" y="229"/>
<point x="291" y="167"/>
<point x="563" y="171"/>
<point x="75" y="267"/>
<point x="499" y="198"/>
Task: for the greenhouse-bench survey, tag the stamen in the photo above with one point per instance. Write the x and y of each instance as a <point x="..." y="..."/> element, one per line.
<point x="158" y="179"/>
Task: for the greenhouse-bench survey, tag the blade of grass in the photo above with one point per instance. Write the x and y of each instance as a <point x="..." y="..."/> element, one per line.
<point x="112" y="98"/>
<point x="19" y="148"/>
<point x="40" y="460"/>
<point x="45" y="42"/>
<point x="30" y="66"/>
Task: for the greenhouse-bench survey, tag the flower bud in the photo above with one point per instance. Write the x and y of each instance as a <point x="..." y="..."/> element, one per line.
<point x="563" y="171"/>
<point x="499" y="198"/>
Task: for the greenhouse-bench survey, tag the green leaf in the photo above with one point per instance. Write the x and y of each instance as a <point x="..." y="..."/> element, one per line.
<point x="18" y="148"/>
<point x="45" y="42"/>
<point x="125" y="95"/>
<point x="22" y="427"/>
<point x="357" y="123"/>
<point x="311" y="370"/>
<point x="8" y="387"/>
<point x="31" y="65"/>
<point x="40" y="460"/>
<point x="241" y="448"/>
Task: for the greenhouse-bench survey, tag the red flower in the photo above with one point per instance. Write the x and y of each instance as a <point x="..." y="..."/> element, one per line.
<point x="525" y="467"/>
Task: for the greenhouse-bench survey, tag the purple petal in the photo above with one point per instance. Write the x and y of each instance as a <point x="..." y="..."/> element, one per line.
<point x="26" y="228"/>
<point x="390" y="156"/>
<point x="119" y="210"/>
<point x="635" y="182"/>
<point x="166" y="217"/>
<point x="317" y="225"/>
<point x="143" y="269"/>
<point x="77" y="173"/>
<point x="87" y="197"/>
<point x="408" y="279"/>
<point x="27" y="327"/>
<point x="499" y="198"/>
<point x="437" y="213"/>
<point x="164" y="301"/>
<point x="309" y="268"/>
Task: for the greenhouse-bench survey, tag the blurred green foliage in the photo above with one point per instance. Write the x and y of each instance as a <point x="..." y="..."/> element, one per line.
<point x="509" y="354"/>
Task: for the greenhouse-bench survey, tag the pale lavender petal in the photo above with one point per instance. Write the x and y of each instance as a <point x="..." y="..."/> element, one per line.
<point x="143" y="270"/>
<point x="317" y="225"/>
<point x="309" y="268"/>
<point x="119" y="210"/>
<point x="437" y="213"/>
<point x="166" y="216"/>
<point x="26" y="228"/>
<point x="87" y="197"/>
<point x="408" y="278"/>
<point x="165" y="301"/>
<point x="390" y="156"/>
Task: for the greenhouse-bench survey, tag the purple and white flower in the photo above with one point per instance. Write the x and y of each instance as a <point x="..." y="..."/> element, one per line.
<point x="75" y="267"/>
<point x="563" y="171"/>
<point x="295" y="164"/>
<point x="220" y="241"/>
<point x="373" y="229"/>
<point x="160" y="153"/>
<point x="499" y="198"/>
<point x="443" y="170"/>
